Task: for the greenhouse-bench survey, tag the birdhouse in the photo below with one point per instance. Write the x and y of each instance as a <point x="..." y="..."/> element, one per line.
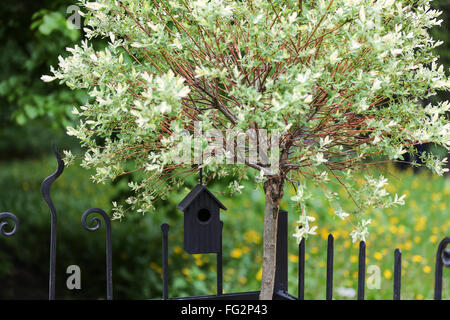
<point x="202" y="228"/>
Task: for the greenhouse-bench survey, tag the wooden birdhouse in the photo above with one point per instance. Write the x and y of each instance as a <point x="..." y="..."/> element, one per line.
<point x="202" y="226"/>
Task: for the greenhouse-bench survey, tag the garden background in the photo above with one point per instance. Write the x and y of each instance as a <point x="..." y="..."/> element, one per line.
<point x="33" y="114"/>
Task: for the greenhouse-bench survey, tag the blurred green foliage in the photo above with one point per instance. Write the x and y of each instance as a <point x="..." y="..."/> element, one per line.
<point x="32" y="39"/>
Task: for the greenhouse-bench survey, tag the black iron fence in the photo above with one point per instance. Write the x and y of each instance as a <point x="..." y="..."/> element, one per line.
<point x="93" y="223"/>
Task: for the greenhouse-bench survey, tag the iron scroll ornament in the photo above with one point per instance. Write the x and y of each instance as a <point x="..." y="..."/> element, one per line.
<point x="442" y="259"/>
<point x="4" y="223"/>
<point x="96" y="222"/>
<point x="45" y="190"/>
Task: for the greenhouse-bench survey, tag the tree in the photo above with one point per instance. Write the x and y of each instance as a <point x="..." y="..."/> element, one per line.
<point x="336" y="81"/>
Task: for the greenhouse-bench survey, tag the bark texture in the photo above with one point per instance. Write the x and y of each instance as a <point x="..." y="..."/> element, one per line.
<point x="273" y="189"/>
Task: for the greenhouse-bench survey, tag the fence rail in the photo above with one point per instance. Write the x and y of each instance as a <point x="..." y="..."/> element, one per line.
<point x="281" y="274"/>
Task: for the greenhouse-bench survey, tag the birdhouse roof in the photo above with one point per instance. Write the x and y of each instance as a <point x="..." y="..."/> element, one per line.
<point x="186" y="202"/>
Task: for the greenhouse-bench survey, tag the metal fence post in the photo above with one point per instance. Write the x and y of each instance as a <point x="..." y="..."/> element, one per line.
<point x="397" y="273"/>
<point x="219" y="264"/>
<point x="165" y="246"/>
<point x="330" y="265"/>
<point x="361" y="270"/>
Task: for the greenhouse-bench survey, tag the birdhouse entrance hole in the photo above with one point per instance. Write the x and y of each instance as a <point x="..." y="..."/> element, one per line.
<point x="204" y="215"/>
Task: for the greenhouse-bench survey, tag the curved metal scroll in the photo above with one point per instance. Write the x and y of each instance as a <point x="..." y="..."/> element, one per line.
<point x="442" y="259"/>
<point x="165" y="231"/>
<point x="3" y="224"/>
<point x="45" y="190"/>
<point x="96" y="225"/>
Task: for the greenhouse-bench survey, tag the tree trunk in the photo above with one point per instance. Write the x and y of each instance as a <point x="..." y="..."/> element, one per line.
<point x="273" y="189"/>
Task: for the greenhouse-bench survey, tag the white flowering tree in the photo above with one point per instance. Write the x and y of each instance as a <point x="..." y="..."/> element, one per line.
<point x="337" y="81"/>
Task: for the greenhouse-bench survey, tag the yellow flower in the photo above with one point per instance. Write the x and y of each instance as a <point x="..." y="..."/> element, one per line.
<point x="417" y="258"/>
<point x="417" y="239"/>
<point x="322" y="264"/>
<point x="155" y="267"/>
<point x="314" y="250"/>
<point x="236" y="253"/>
<point x="251" y="236"/>
<point x="393" y="229"/>
<point x="393" y="220"/>
<point x="433" y="239"/>
<point x="420" y="223"/>
<point x="387" y="274"/>
<point x="419" y="296"/>
<point x="391" y="188"/>
<point x="408" y="245"/>
<point x="353" y="259"/>
<point x="177" y="249"/>
<point x="230" y="271"/>
<point x="436" y="197"/>
<point x="324" y="233"/>
<point x="185" y="271"/>
<point x="259" y="274"/>
<point x="330" y="211"/>
<point x="378" y="256"/>
<point x="199" y="262"/>
<point x="293" y="258"/>
<point x="427" y="269"/>
<point x="380" y="230"/>
<point x="344" y="233"/>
